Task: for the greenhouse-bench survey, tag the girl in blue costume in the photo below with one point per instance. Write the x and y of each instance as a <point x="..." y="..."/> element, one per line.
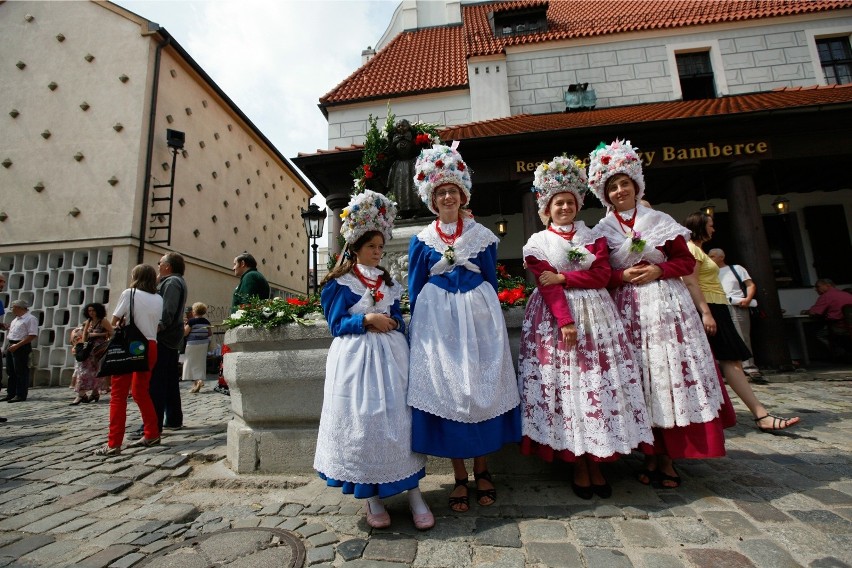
<point x="364" y="439"/>
<point x="462" y="385"/>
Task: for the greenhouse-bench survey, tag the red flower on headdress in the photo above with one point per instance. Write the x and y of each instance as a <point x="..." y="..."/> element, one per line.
<point x="421" y="176"/>
<point x="439" y="164"/>
<point x="461" y="166"/>
<point x="383" y="210"/>
<point x="605" y="160"/>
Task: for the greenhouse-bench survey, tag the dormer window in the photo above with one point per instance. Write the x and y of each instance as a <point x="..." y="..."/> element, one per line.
<point x="532" y="19"/>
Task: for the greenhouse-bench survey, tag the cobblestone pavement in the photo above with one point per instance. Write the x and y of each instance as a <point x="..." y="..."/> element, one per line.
<point x="776" y="500"/>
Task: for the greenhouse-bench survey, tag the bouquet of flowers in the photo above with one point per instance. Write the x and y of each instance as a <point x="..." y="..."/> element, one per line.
<point x="511" y="290"/>
<point x="378" y="151"/>
<point x="268" y="314"/>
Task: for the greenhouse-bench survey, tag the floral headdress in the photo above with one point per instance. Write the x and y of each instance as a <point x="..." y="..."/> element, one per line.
<point x="560" y="175"/>
<point x="378" y="149"/>
<point x="367" y="211"/>
<point x="606" y="161"/>
<point x="439" y="165"/>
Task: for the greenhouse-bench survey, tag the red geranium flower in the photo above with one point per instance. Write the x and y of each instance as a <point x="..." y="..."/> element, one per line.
<point x="297" y="302"/>
<point x="423" y="140"/>
<point x="503" y="295"/>
<point x="439" y="164"/>
<point x="605" y="160"/>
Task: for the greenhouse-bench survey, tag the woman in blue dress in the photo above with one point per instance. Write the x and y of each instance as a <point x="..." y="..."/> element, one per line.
<point x="462" y="386"/>
<point x="364" y="439"/>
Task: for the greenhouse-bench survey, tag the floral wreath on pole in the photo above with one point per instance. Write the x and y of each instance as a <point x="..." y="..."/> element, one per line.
<point x="378" y="151"/>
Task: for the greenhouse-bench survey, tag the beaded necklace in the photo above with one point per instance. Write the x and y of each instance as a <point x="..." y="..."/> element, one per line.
<point x="449" y="239"/>
<point x="372" y="285"/>
<point x="567" y="235"/>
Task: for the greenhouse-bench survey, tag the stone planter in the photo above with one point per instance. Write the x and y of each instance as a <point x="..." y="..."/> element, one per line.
<point x="276" y="379"/>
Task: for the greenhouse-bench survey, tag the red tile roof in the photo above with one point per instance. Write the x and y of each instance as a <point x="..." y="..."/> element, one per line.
<point x="784" y="98"/>
<point x="435" y="59"/>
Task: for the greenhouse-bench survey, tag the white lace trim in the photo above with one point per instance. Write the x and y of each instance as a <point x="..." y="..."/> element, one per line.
<point x="656" y="229"/>
<point x="365" y="305"/>
<point x="474" y="239"/>
<point x="553" y="249"/>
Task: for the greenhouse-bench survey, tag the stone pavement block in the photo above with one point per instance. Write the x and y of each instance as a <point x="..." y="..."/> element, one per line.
<point x="114" y="485"/>
<point x="26" y="545"/>
<point x="553" y="554"/>
<point x="291" y="524"/>
<point x="767" y="553"/>
<point x="351" y="549"/>
<point x="824" y="521"/>
<point x="147" y="538"/>
<point x="642" y="533"/>
<point x="595" y="532"/>
<point x="156" y="477"/>
<point x="129" y="538"/>
<point x="249" y="523"/>
<point x="689" y="531"/>
<point x="828" y="562"/>
<point x="117" y="533"/>
<point x="497" y="532"/>
<point x="391" y="548"/>
<point x="271" y="509"/>
<point x="311" y="530"/>
<point x="730" y="523"/>
<point x="544" y="531"/>
<point x="68" y="476"/>
<point x="318" y="555"/>
<point x="323" y="539"/>
<point x="156" y="546"/>
<point x="136" y="472"/>
<point x="436" y="554"/>
<point x="271" y="522"/>
<point x="31" y="516"/>
<point x="489" y="557"/>
<point x="214" y="527"/>
<point x="79" y="497"/>
<point x="292" y="509"/>
<point x="106" y="556"/>
<point x="451" y="529"/>
<point x="175" y="462"/>
<point x="169" y="512"/>
<point x="829" y="496"/>
<point x="95" y="529"/>
<point x="182" y="471"/>
<point x="7" y="538"/>
<point x="127" y="561"/>
<point x="715" y="558"/>
<point x="51" y="522"/>
<point x="763" y="512"/>
<point x="662" y="561"/>
<point x="230" y="545"/>
<point x="606" y="558"/>
<point x="49" y="554"/>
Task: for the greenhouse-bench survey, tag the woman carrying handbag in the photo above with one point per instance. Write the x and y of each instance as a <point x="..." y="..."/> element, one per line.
<point x="141" y="306"/>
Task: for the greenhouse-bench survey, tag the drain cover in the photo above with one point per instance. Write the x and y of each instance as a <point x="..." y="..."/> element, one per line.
<point x="249" y="547"/>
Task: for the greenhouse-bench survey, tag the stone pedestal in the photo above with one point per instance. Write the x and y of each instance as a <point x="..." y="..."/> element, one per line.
<point x="276" y="379"/>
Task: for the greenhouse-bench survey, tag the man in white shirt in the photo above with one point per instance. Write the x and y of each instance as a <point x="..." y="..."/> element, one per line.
<point x="740" y="290"/>
<point x="22" y="332"/>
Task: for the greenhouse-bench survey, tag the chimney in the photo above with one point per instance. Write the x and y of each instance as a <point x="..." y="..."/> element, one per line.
<point x="367" y="54"/>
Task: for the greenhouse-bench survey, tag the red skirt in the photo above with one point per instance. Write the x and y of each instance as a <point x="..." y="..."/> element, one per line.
<point x="530" y="447"/>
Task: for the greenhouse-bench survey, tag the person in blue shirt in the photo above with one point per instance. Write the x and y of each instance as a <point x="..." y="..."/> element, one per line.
<point x="462" y="386"/>
<point x="364" y="438"/>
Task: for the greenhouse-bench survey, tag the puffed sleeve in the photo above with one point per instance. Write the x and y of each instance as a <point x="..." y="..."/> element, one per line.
<point x="336" y="301"/>
<point x="597" y="276"/>
<point x="554" y="296"/>
<point x="486" y="260"/>
<point x="418" y="268"/>
<point x="396" y="313"/>
<point x="679" y="260"/>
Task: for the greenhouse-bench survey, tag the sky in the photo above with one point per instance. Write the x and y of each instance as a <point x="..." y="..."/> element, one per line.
<point x="275" y="59"/>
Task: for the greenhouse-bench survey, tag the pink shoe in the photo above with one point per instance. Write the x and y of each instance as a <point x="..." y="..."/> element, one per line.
<point x="379" y="520"/>
<point x="423" y="521"/>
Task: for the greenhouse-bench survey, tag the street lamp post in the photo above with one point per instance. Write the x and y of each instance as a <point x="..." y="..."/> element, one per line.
<point x="314" y="219"/>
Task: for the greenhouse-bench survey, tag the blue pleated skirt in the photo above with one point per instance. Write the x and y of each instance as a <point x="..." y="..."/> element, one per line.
<point x="381" y="490"/>
<point x="436" y="436"/>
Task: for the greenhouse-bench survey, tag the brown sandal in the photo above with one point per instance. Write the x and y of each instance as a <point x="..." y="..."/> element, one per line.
<point x="485" y="493"/>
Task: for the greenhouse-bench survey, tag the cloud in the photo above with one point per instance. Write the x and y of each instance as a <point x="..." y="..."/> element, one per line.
<point x="275" y="59"/>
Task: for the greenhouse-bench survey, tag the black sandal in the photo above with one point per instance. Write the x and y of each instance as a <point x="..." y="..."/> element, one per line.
<point x="664" y="477"/>
<point x="778" y="423"/>
<point x="652" y="476"/>
<point x="485" y="493"/>
<point x="463" y="500"/>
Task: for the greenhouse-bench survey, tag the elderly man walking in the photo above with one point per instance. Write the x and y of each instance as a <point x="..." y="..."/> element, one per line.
<point x="22" y="332"/>
<point x="740" y="290"/>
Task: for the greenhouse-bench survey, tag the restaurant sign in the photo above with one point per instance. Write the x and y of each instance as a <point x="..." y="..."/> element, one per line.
<point x="683" y="155"/>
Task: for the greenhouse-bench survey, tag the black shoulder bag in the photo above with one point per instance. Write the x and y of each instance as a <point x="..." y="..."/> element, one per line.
<point x="127" y="351"/>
